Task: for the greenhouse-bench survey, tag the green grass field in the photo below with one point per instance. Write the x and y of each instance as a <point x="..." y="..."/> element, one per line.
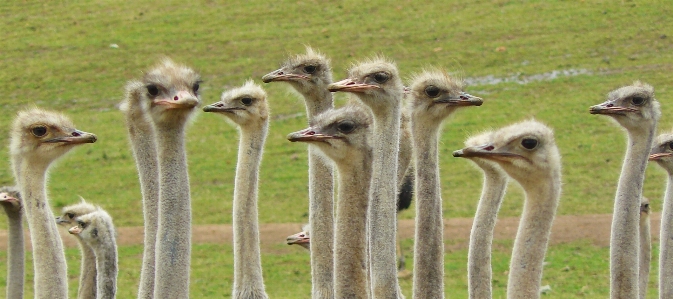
<point x="57" y="55"/>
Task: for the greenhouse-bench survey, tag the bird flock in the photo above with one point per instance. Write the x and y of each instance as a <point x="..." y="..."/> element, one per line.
<point x="375" y="149"/>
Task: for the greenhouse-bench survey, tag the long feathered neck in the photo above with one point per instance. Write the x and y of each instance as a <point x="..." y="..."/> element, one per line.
<point x="143" y="145"/>
<point x="479" y="271"/>
<point x="530" y="246"/>
<point x="624" y="238"/>
<point x="15" y="254"/>
<point x="351" y="225"/>
<point x="317" y="101"/>
<point x="173" y="236"/>
<point x="248" y="280"/>
<point x="48" y="256"/>
<point x="666" y="245"/>
<point x="88" y="272"/>
<point x="429" y="246"/>
<point x="645" y="256"/>
<point x="106" y="265"/>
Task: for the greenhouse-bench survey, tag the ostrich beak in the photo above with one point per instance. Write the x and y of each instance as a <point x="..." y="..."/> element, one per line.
<point x="280" y="75"/>
<point x="298" y="238"/>
<point x="658" y="156"/>
<point x="309" y="135"/>
<point x="76" y="137"/>
<point x="181" y="100"/>
<point x="5" y="197"/>
<point x="349" y="85"/>
<point x="464" y="99"/>
<point x="609" y="108"/>
<point x="75" y="230"/>
<point x="220" y="107"/>
<point x="60" y="220"/>
<point x="486" y="151"/>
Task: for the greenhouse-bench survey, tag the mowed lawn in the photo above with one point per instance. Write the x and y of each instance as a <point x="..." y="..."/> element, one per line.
<point x="75" y="57"/>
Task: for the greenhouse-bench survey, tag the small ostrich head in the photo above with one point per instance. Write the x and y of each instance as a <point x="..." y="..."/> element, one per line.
<point x="435" y="95"/>
<point x="94" y="228"/>
<point x="301" y="238"/>
<point x="376" y="82"/>
<point x="644" y="206"/>
<point x="306" y="72"/>
<point x="169" y="92"/>
<point x="662" y="152"/>
<point x="10" y="198"/>
<point x="525" y="150"/>
<point x="245" y="105"/>
<point x="45" y="136"/>
<point x="339" y="133"/>
<point x="630" y="106"/>
<point x="71" y="212"/>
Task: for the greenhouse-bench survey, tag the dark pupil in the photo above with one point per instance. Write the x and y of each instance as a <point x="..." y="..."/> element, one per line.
<point x="152" y="90"/>
<point x="70" y="215"/>
<point x="39" y="131"/>
<point x="310" y="69"/>
<point x="381" y="77"/>
<point x="670" y="145"/>
<point x="432" y="91"/>
<point x="82" y="224"/>
<point x="196" y="87"/>
<point x="637" y="100"/>
<point x="346" y="127"/>
<point x="246" y="101"/>
<point x="529" y="143"/>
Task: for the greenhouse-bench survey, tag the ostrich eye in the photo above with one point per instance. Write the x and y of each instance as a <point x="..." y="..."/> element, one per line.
<point x="432" y="91"/>
<point x="39" y="131"/>
<point x="647" y="205"/>
<point x="529" y="143"/>
<point x="637" y="101"/>
<point x="246" y="101"/>
<point x="82" y="224"/>
<point x="670" y="145"/>
<point x="153" y="90"/>
<point x="195" y="87"/>
<point x="381" y="77"/>
<point x="346" y="127"/>
<point x="70" y="215"/>
<point x="310" y="69"/>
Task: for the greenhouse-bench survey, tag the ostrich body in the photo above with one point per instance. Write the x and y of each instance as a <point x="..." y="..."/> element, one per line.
<point x="434" y="96"/>
<point x="246" y="106"/>
<point x="171" y="98"/>
<point x="662" y="153"/>
<point x="38" y="138"/>
<point x="144" y="148"/>
<point x="10" y="199"/>
<point x="97" y="231"/>
<point x="88" y="271"/>
<point x="343" y="136"/>
<point x="310" y="74"/>
<point x="377" y="84"/>
<point x="645" y="247"/>
<point x="528" y="153"/>
<point x="636" y="110"/>
<point x="479" y="270"/>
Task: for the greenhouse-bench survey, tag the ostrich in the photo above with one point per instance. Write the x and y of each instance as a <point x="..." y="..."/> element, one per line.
<point x="434" y="96"/>
<point x="38" y="138"/>
<point x="170" y="99"/>
<point x="636" y="110"/>
<point x="310" y="74"/>
<point x="143" y="145"/>
<point x="662" y="153"/>
<point x="247" y="107"/>
<point x="343" y="136"/>
<point x="302" y="238"/>
<point x="377" y="84"/>
<point x="97" y="231"/>
<point x="87" y="274"/>
<point x="479" y="272"/>
<point x="528" y="153"/>
<point x="645" y="247"/>
<point x="10" y="199"/>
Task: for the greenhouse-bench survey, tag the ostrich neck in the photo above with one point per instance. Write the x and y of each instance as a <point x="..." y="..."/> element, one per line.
<point x="429" y="246"/>
<point x="479" y="271"/>
<point x="144" y="150"/>
<point x="351" y="225"/>
<point x="106" y="264"/>
<point x="15" y="255"/>
<point x="247" y="261"/>
<point x="87" y="275"/>
<point x="317" y="101"/>
<point x="382" y="210"/>
<point x="175" y="216"/>
<point x="666" y="245"/>
<point x="645" y="256"/>
<point x="624" y="238"/>
<point x="530" y="246"/>
<point x="48" y="256"/>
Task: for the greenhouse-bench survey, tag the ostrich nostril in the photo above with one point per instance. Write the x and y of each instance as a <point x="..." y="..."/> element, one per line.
<point x="175" y="98"/>
<point x="489" y="148"/>
<point x="76" y="134"/>
<point x="609" y="105"/>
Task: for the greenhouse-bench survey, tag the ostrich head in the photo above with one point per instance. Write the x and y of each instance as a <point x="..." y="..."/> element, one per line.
<point x="10" y="198"/>
<point x="302" y="238"/>
<point x="73" y="211"/>
<point x="630" y="106"/>
<point x="245" y="105"/>
<point x="376" y="82"/>
<point x="93" y="227"/>
<point x="305" y="72"/>
<point x="435" y="95"/>
<point x="662" y="152"/>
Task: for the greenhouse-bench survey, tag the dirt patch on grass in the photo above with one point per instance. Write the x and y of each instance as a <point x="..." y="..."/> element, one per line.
<point x="595" y="228"/>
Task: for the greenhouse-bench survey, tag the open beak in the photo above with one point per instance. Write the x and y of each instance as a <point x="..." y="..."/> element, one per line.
<point x="308" y="135"/>
<point x="76" y="137"/>
<point x="464" y="99"/>
<point x="220" y="107"/>
<point x="349" y="85"/>
<point x="75" y="230"/>
<point x="280" y="75"/>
